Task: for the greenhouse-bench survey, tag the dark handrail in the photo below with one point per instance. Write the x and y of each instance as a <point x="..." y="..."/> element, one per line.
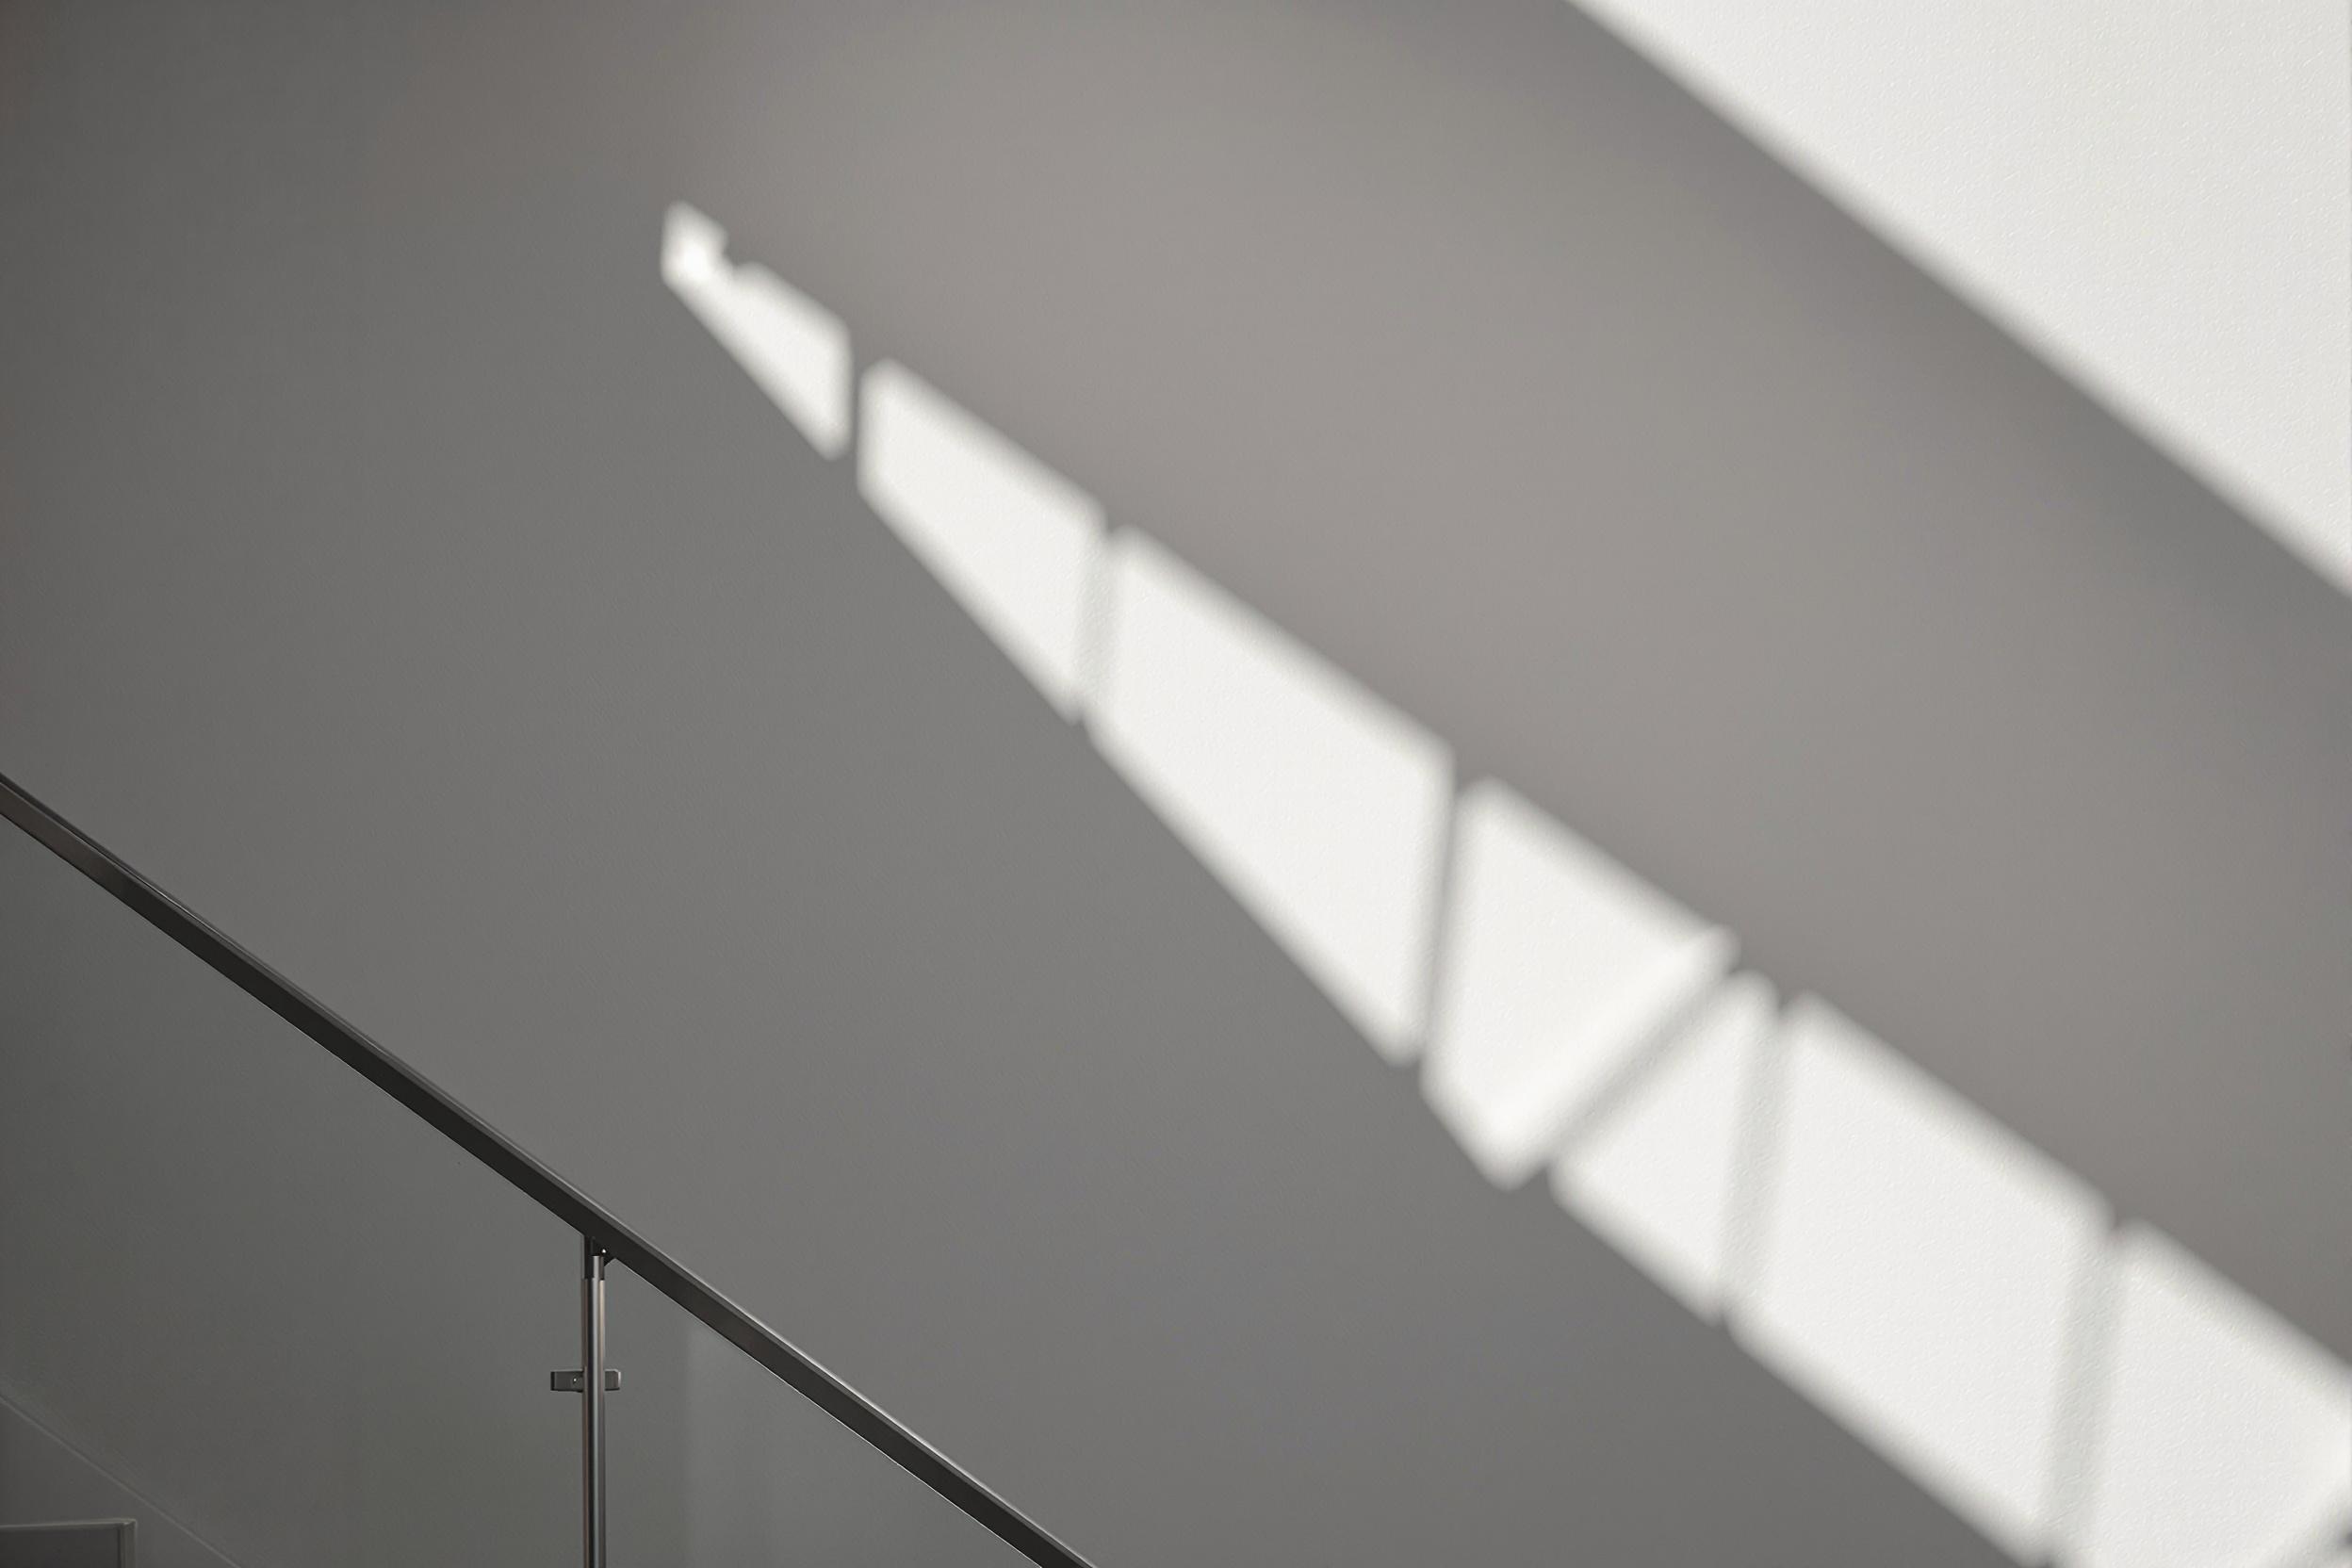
<point x="505" y="1159"/>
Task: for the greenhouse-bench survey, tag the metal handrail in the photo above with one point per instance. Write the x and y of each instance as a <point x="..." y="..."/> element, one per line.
<point x="600" y="1232"/>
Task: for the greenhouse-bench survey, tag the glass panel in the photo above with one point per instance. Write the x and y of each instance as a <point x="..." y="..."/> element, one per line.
<point x="717" y="1464"/>
<point x="244" y="1296"/>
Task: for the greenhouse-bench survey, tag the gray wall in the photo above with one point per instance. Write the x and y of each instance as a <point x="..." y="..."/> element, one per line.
<point x="392" y="568"/>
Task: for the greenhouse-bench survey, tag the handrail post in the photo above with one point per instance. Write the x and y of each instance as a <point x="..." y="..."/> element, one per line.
<point x="592" y="1380"/>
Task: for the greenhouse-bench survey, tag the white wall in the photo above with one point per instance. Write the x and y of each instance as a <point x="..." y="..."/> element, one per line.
<point x="2157" y="197"/>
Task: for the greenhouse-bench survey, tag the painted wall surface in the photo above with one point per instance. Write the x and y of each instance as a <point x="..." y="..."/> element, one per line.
<point x="389" y="563"/>
<point x="2158" y="198"/>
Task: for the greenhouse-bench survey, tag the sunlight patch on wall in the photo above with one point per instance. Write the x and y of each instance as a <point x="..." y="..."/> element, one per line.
<point x="2228" y="1437"/>
<point x="1947" y="1292"/>
<point x="793" y="347"/>
<point x="1321" y="806"/>
<point x="1012" y="540"/>
<point x="1657" y="1177"/>
<point x="2156" y="199"/>
<point x="1560" y="964"/>
<point x="1920" y="1268"/>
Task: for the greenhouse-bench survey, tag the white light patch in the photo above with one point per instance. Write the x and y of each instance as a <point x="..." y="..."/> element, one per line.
<point x="693" y="249"/>
<point x="2227" y="1437"/>
<point x="1322" y="808"/>
<point x="1918" y="1267"/>
<point x="1013" y="541"/>
<point x="1656" y="1177"/>
<point x="1560" y="964"/>
<point x="795" y="348"/>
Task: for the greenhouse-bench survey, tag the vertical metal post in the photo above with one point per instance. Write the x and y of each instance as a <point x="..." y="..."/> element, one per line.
<point x="592" y="1381"/>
